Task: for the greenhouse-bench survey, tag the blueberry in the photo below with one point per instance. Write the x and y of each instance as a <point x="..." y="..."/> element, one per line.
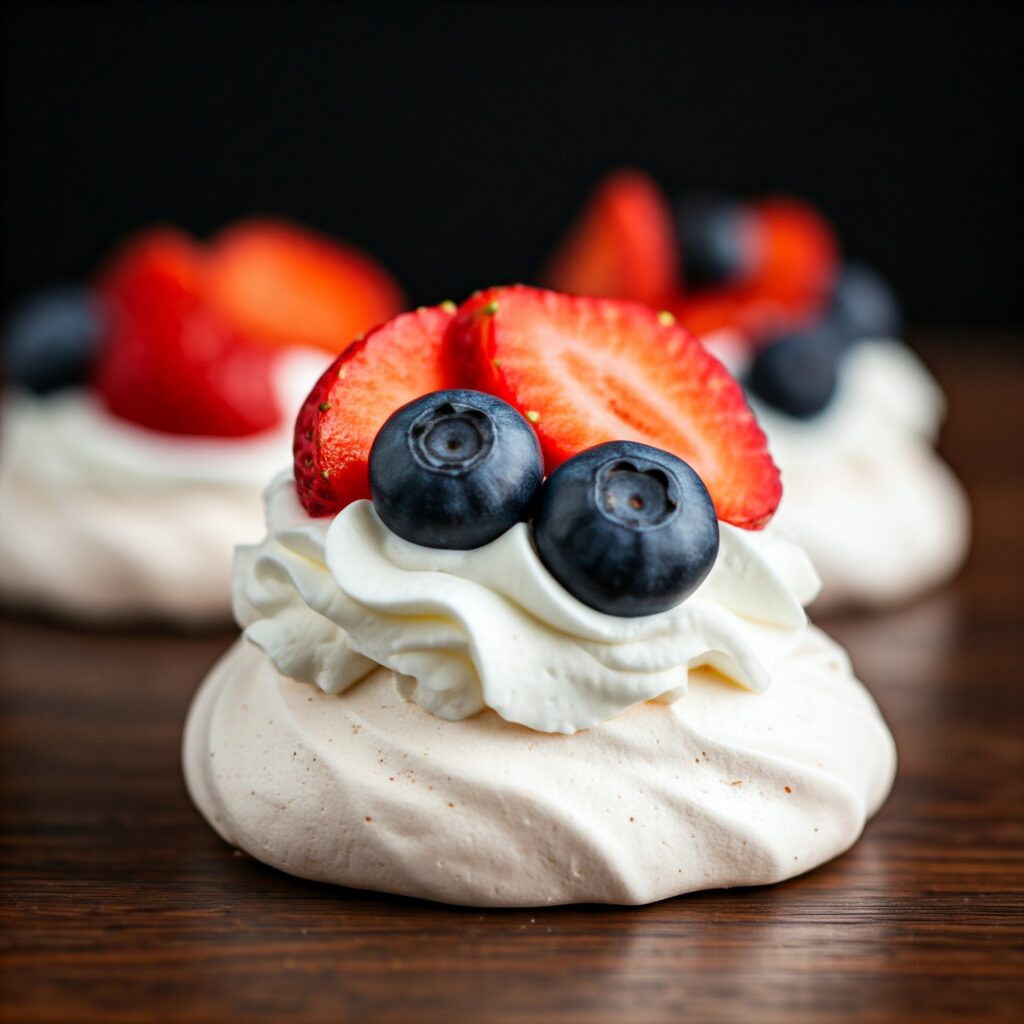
<point x="455" y="469"/>
<point x="628" y="529"/>
<point x="717" y="240"/>
<point x="49" y="341"/>
<point x="797" y="373"/>
<point x="863" y="305"/>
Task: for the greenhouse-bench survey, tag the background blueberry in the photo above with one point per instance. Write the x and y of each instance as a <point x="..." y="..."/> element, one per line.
<point x="628" y="529"/>
<point x="49" y="341"/>
<point x="797" y="373"/>
<point x="863" y="305"/>
<point x="455" y="469"/>
<point x="717" y="240"/>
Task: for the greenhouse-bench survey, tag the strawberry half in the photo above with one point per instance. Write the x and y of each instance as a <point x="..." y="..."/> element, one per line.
<point x="169" y="362"/>
<point x="286" y="286"/>
<point x="585" y="371"/>
<point x="396" y="362"/>
<point x="789" y="286"/>
<point x="622" y="246"/>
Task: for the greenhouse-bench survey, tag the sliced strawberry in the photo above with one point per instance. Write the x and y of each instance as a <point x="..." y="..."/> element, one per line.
<point x="722" y="309"/>
<point x="160" y="258"/>
<point x="395" y="363"/>
<point x="287" y="286"/>
<point x="622" y="246"/>
<point x="798" y="265"/>
<point x="170" y="363"/>
<point x="789" y="286"/>
<point x="585" y="371"/>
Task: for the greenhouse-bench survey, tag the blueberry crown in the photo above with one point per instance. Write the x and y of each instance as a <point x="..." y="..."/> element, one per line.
<point x="636" y="493"/>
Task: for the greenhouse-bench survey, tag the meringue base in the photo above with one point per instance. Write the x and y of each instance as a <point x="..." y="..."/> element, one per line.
<point x="110" y="558"/>
<point x="880" y="530"/>
<point x="723" y="788"/>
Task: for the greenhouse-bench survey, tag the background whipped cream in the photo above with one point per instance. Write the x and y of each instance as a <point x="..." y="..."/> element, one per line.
<point x="884" y="392"/>
<point x="724" y="787"/>
<point x="105" y="520"/>
<point x="330" y="600"/>
<point x="864" y="492"/>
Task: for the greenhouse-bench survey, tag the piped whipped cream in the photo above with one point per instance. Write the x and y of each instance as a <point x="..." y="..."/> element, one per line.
<point x="330" y="600"/>
<point x="105" y="520"/>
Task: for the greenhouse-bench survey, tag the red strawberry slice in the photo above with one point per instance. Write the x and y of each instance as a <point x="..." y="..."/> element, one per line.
<point x="396" y="362"/>
<point x="622" y="246"/>
<point x="169" y="362"/>
<point x="799" y="258"/>
<point x="287" y="286"/>
<point x="585" y="371"/>
<point x="789" y="286"/>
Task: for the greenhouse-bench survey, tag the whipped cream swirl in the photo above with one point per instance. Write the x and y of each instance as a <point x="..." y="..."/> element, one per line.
<point x="330" y="600"/>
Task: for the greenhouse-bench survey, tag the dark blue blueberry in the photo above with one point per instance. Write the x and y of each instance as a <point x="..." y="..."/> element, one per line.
<point x="863" y="305"/>
<point x="797" y="373"/>
<point x="628" y="529"/>
<point x="455" y="469"/>
<point x="717" y="240"/>
<point x="49" y="342"/>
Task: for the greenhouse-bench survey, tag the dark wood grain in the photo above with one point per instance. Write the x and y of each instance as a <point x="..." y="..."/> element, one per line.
<point x="119" y="904"/>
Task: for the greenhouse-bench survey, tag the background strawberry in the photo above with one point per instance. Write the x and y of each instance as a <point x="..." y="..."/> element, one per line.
<point x="622" y="246"/>
<point x="195" y="331"/>
<point x="283" y="285"/>
<point x="170" y="362"/>
<point x="788" y="286"/>
<point x="628" y="244"/>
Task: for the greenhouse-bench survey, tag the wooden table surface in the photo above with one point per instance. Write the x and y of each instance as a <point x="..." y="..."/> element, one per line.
<point x="120" y="904"/>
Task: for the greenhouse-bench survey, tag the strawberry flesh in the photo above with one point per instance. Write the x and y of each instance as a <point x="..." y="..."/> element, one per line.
<point x="395" y="363"/>
<point x="169" y="362"/>
<point x="586" y="371"/>
<point x="286" y="286"/>
<point x="789" y="286"/>
<point x="622" y="246"/>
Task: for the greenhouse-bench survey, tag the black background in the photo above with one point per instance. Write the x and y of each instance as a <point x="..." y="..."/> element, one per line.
<point x="455" y="141"/>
